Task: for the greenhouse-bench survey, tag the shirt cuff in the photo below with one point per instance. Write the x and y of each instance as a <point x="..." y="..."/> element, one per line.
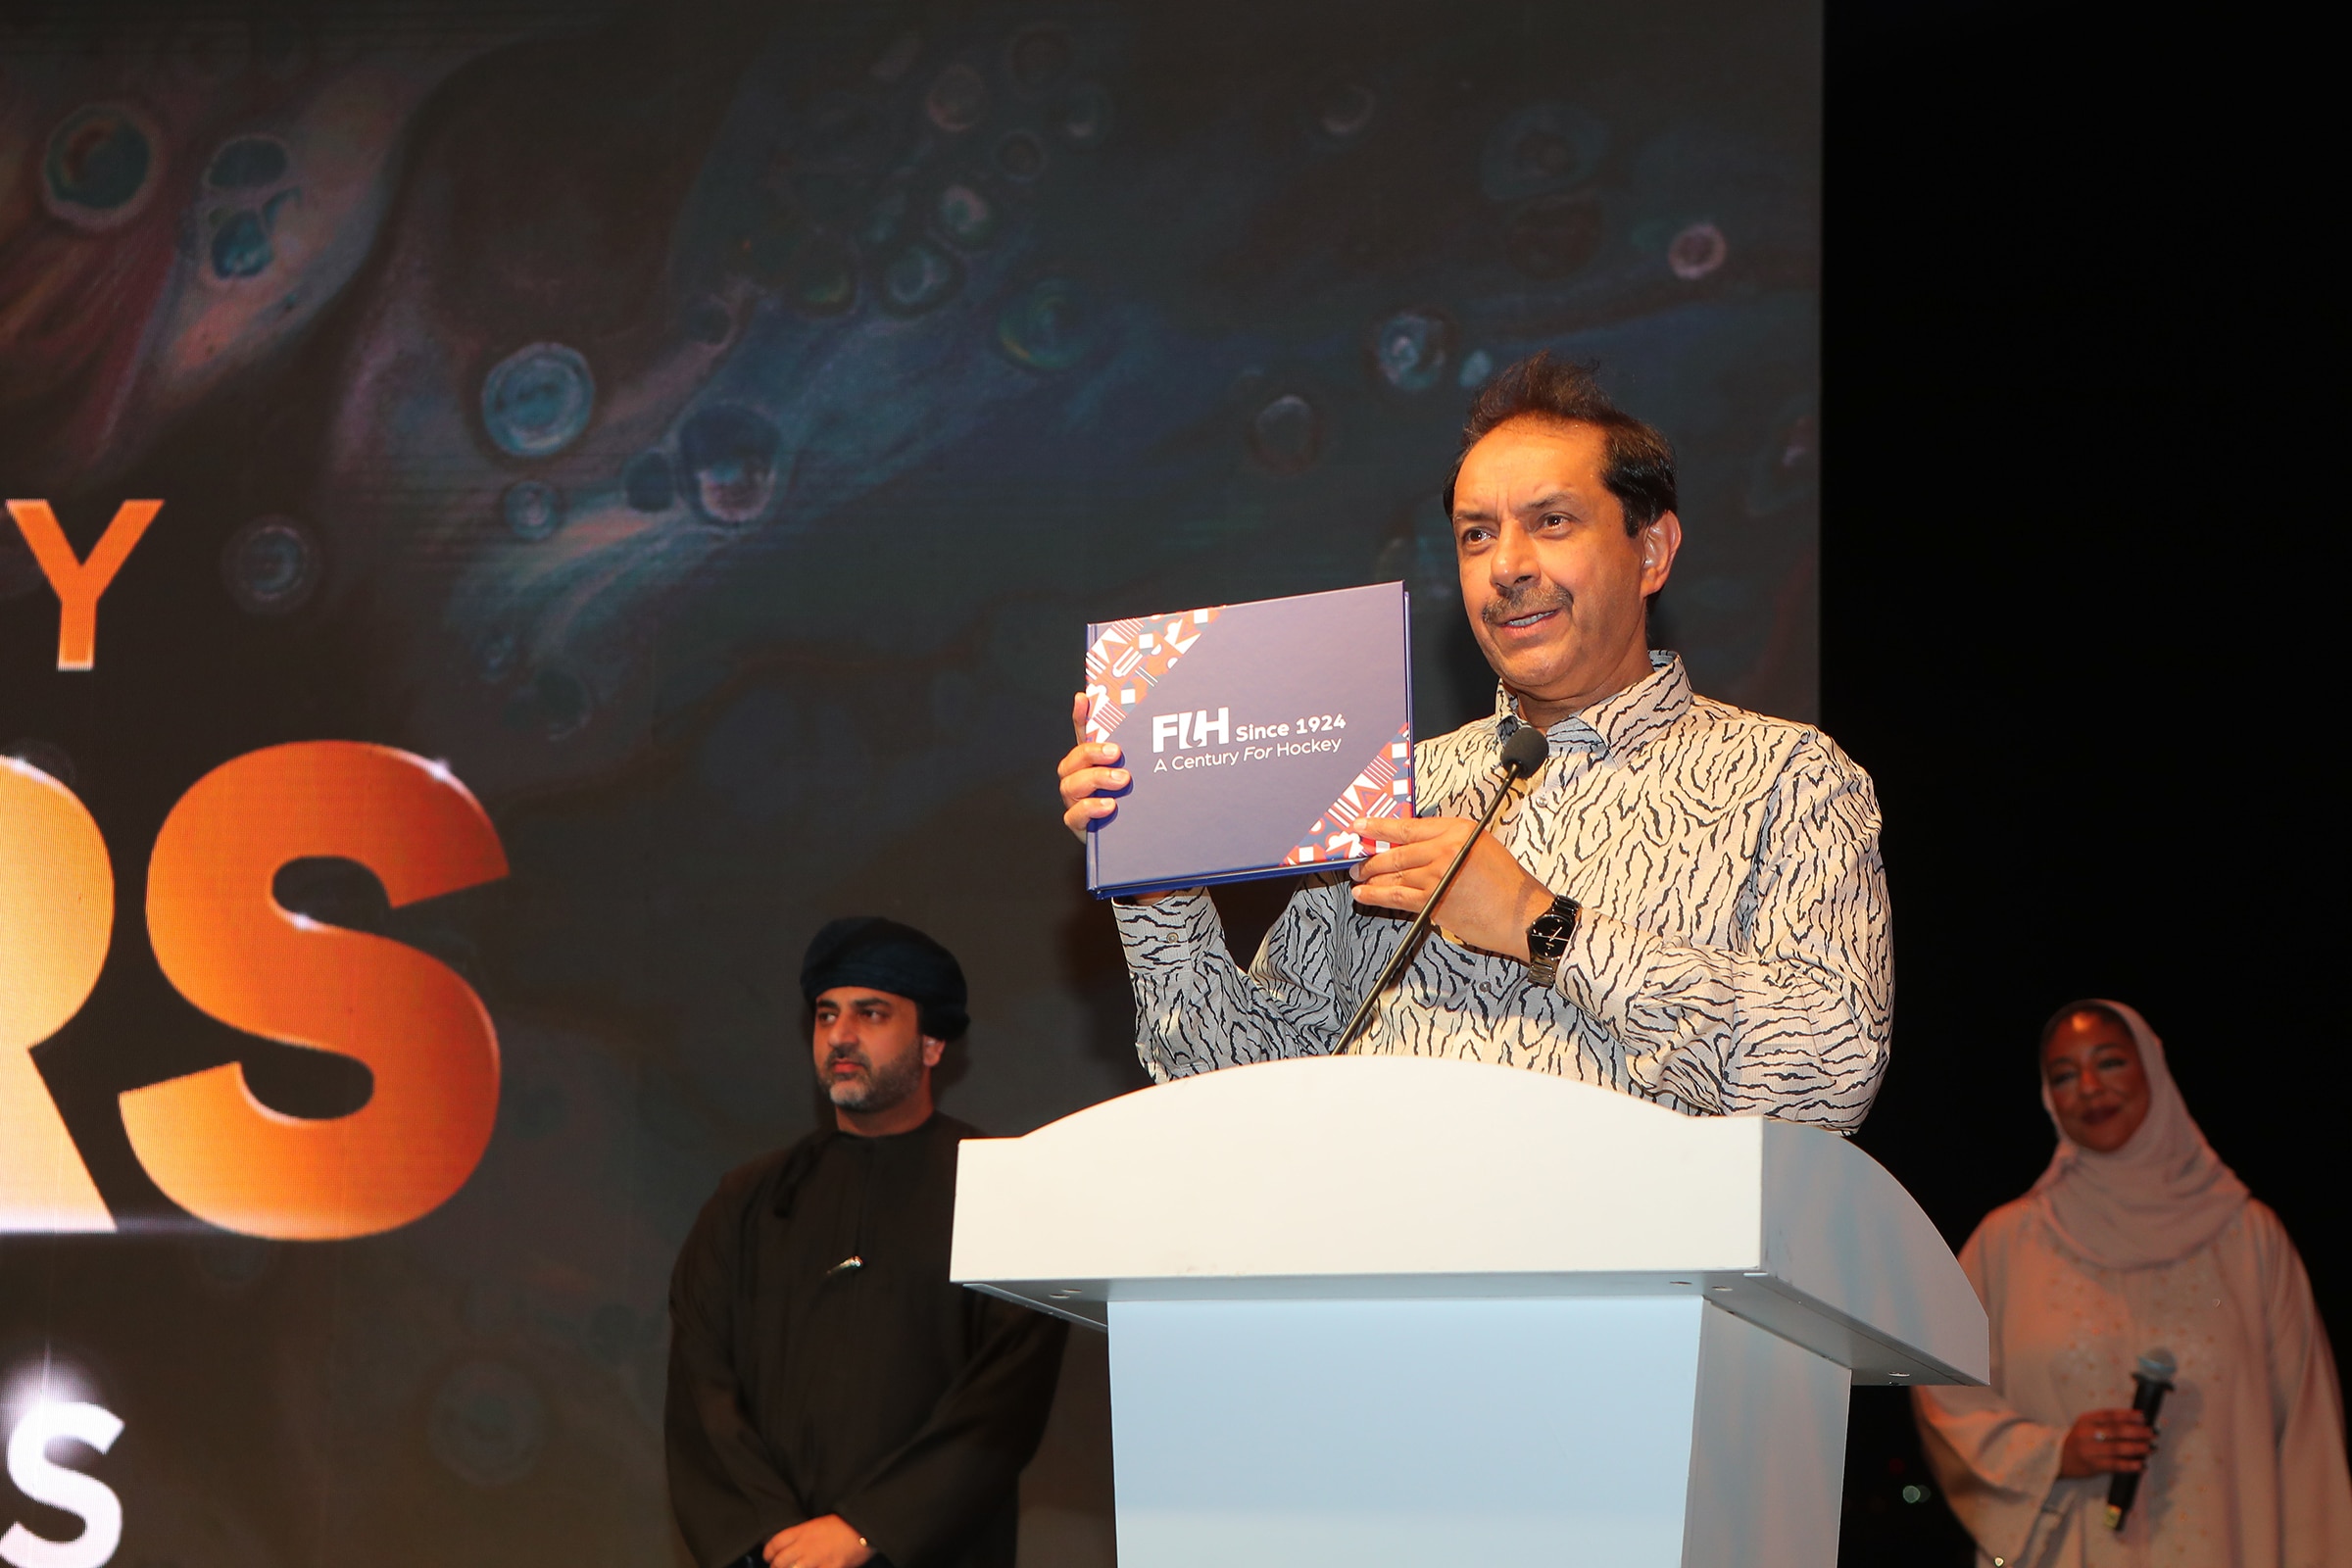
<point x="1605" y="966"/>
<point x="1169" y="933"/>
<point x="1599" y="946"/>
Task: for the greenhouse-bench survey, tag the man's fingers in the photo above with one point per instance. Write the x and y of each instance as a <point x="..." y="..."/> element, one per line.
<point x="1086" y="783"/>
<point x="1391" y="895"/>
<point x="1408" y="829"/>
<point x="1407" y="858"/>
<point x="1091" y="754"/>
<point x="1407" y="892"/>
<point x="1387" y="864"/>
<point x="1078" y="717"/>
<point x="1077" y="786"/>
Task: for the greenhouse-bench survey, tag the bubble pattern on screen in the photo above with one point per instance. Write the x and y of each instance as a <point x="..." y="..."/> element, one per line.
<point x="707" y="432"/>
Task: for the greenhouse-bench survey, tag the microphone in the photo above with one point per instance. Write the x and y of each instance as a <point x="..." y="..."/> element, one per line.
<point x="1524" y="750"/>
<point x="2151" y="1380"/>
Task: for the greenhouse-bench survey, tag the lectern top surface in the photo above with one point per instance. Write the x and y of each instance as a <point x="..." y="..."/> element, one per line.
<point x="1388" y="1176"/>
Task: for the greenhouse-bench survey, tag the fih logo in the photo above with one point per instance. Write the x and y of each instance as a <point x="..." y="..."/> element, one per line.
<point x="224" y="941"/>
<point x="1188" y="730"/>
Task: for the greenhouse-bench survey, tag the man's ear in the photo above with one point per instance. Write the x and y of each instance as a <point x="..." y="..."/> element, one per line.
<point x="933" y="1049"/>
<point x="1659" y="543"/>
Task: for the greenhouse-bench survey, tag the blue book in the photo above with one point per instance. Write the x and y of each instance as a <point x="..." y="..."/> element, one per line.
<point x="1255" y="734"/>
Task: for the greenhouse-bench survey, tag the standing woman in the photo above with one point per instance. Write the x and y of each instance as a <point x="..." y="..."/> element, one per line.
<point x="2138" y="1238"/>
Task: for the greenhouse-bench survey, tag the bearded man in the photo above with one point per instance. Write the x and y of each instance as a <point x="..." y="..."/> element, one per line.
<point x="834" y="1401"/>
<point x="1686" y="904"/>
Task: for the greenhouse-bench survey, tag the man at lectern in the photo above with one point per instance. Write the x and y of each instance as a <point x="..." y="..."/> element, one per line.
<point x="833" y="1399"/>
<point x="1687" y="903"/>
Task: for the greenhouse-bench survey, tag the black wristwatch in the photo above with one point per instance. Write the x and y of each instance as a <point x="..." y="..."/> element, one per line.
<point x="1547" y="938"/>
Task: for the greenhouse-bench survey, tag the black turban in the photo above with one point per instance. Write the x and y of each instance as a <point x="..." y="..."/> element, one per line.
<point x="884" y="956"/>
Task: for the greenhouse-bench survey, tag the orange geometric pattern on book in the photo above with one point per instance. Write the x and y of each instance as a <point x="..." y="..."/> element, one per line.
<point x="1129" y="658"/>
<point x="1385" y="788"/>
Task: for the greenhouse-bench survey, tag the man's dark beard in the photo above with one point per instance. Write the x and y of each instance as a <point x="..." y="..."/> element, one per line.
<point x="883" y="1086"/>
<point x="1510" y="603"/>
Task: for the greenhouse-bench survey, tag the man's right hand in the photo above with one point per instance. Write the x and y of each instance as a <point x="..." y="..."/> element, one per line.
<point x="828" y="1543"/>
<point x="1088" y="772"/>
<point x="2106" y="1440"/>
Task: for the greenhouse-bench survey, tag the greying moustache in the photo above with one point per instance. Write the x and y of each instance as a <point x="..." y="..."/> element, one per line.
<point x="1521" y="601"/>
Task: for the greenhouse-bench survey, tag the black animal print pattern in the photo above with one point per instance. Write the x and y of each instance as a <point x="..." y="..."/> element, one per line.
<point x="1732" y="957"/>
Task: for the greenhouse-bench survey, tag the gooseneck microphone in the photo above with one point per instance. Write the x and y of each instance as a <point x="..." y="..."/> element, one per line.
<point x="1524" y="749"/>
<point x="2151" y="1380"/>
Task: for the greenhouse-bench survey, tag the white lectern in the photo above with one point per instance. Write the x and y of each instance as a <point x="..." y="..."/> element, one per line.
<point x="1381" y="1310"/>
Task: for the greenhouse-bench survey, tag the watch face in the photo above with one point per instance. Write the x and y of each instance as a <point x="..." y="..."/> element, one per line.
<point x="1549" y="931"/>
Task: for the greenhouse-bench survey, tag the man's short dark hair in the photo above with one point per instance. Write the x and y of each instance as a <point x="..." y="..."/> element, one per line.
<point x="1638" y="468"/>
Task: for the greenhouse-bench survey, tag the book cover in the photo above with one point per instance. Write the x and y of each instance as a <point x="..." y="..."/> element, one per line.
<point x="1254" y="734"/>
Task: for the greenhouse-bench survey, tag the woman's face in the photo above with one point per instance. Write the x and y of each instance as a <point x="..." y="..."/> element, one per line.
<point x="2097" y="1086"/>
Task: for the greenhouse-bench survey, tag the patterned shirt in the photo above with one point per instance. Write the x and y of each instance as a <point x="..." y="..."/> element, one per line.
<point x="1732" y="956"/>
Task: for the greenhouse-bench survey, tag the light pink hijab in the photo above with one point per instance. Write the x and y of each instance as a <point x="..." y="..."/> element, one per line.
<point x="2156" y="1199"/>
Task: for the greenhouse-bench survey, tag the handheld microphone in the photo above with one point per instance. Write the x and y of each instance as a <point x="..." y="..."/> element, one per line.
<point x="1524" y="749"/>
<point x="2151" y="1380"/>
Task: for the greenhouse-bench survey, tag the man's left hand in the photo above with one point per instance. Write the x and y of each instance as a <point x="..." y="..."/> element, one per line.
<point x="828" y="1542"/>
<point x="1490" y="905"/>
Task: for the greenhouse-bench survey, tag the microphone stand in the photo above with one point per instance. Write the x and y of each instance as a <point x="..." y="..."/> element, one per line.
<point x="1520" y="759"/>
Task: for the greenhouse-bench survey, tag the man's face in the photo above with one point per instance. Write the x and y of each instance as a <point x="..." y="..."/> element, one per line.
<point x="1553" y="583"/>
<point x="871" y="1050"/>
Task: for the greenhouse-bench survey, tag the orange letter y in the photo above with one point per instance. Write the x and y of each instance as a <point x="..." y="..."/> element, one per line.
<point x="80" y="584"/>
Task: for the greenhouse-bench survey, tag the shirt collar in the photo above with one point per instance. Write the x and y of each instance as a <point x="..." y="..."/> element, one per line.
<point x="888" y="1139"/>
<point x="1623" y="721"/>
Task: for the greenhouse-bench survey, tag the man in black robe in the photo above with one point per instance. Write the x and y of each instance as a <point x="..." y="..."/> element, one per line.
<point x="833" y="1401"/>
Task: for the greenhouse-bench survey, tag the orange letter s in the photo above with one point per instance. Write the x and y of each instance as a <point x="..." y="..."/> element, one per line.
<point x="233" y="950"/>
